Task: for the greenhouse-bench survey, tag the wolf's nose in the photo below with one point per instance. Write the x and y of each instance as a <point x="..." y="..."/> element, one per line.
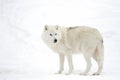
<point x="55" y="40"/>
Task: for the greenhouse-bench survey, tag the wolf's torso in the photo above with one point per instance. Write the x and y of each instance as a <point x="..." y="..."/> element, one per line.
<point x="78" y="39"/>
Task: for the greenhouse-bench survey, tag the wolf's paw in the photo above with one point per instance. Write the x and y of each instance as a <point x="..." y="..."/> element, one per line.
<point x="69" y="72"/>
<point x="83" y="73"/>
<point x="59" y="72"/>
<point x="96" y="73"/>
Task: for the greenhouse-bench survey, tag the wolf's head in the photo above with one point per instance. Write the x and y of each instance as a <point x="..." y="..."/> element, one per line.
<point x="51" y="34"/>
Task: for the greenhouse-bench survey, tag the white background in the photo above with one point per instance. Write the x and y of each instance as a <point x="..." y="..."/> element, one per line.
<point x="23" y="55"/>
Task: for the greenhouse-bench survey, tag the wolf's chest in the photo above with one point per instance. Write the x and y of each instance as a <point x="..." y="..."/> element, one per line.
<point x="61" y="48"/>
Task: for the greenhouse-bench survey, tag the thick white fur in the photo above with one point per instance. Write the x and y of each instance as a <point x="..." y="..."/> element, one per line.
<point x="79" y="39"/>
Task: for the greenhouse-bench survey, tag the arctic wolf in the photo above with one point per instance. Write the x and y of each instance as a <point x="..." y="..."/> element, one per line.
<point x="69" y="40"/>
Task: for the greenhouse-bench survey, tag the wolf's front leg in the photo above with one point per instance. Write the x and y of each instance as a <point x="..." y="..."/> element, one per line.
<point x="61" y="63"/>
<point x="70" y="64"/>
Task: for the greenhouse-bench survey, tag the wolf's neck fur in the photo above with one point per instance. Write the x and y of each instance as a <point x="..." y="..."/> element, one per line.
<point x="63" y="40"/>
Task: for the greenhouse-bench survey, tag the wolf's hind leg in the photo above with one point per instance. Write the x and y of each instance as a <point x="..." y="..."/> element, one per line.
<point x="100" y="66"/>
<point x="98" y="57"/>
<point x="88" y="67"/>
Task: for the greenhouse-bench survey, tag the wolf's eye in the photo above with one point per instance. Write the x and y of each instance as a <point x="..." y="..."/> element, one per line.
<point x="55" y="33"/>
<point x="50" y="34"/>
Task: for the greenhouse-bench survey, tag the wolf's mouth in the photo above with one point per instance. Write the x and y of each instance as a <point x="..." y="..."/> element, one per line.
<point x="55" y="40"/>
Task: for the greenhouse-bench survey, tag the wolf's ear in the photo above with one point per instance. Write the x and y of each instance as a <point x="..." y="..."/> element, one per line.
<point x="46" y="27"/>
<point x="57" y="27"/>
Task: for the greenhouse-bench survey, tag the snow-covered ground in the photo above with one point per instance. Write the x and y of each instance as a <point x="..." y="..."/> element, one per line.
<point x="23" y="55"/>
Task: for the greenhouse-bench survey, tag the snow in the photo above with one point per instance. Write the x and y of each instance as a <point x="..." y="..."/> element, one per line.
<point x="23" y="55"/>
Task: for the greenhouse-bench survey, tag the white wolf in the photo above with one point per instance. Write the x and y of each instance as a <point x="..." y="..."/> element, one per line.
<point x="69" y="40"/>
